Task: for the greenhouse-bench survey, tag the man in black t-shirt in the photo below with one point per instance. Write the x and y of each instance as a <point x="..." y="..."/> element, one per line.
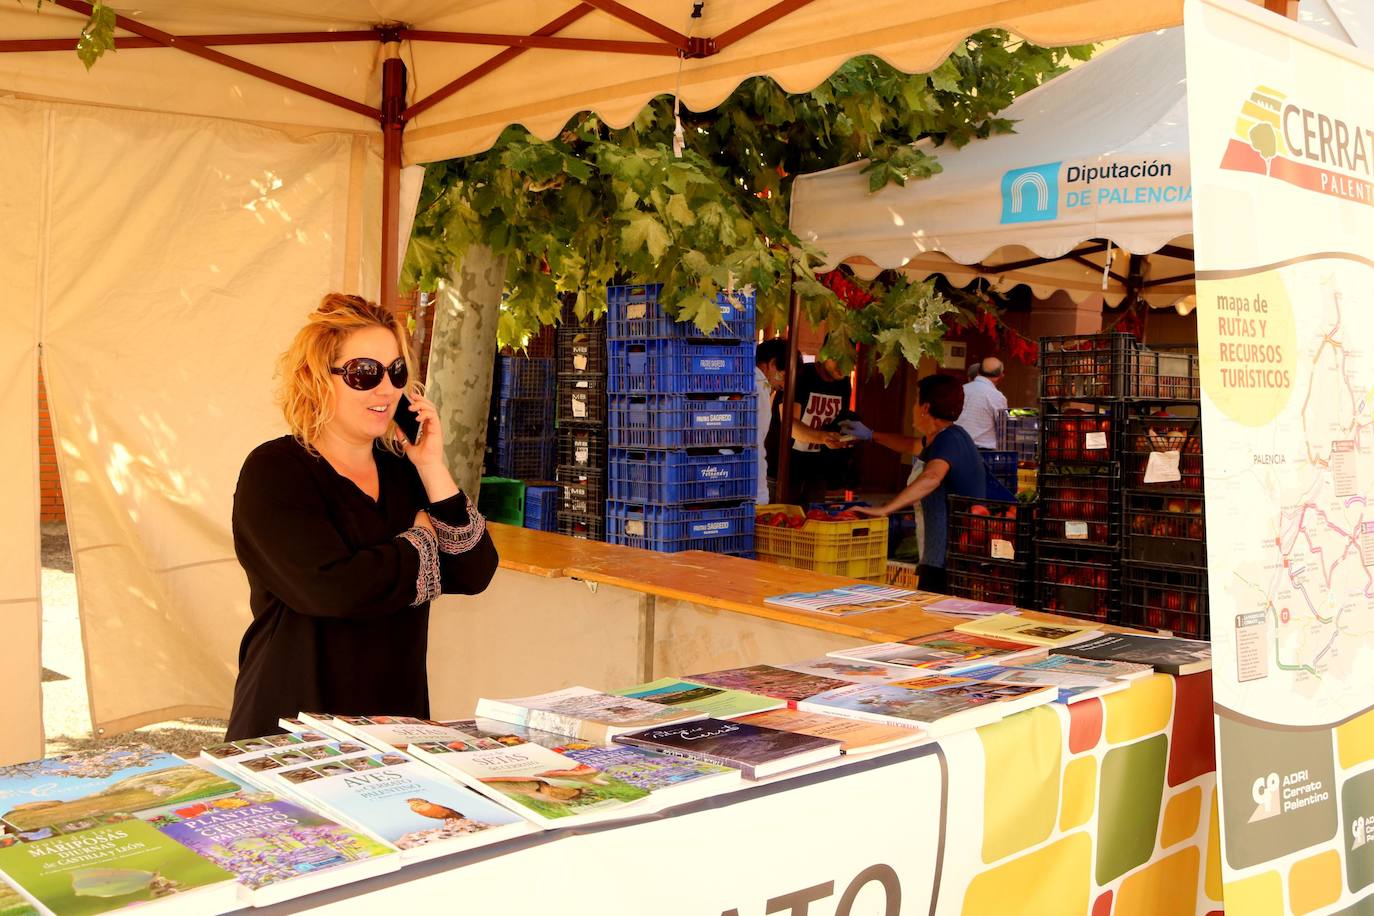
<point x="823" y="396"/>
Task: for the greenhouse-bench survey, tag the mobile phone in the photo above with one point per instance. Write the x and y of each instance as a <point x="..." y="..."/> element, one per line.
<point x="406" y="421"/>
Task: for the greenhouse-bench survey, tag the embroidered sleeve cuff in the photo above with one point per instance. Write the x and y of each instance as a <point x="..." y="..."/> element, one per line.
<point x="460" y="538"/>
<point x="427" y="585"/>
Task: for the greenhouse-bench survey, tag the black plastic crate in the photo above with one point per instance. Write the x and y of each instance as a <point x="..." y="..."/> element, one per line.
<point x="524" y="377"/>
<point x="1162" y="433"/>
<point x="985" y="529"/>
<point x="1078" y="582"/>
<point x="1092" y="366"/>
<point x="1162" y="374"/>
<point x="993" y="581"/>
<point x="581" y="402"/>
<point x="588" y="526"/>
<point x="584" y="490"/>
<point x="582" y="447"/>
<point x="582" y="351"/>
<point x="524" y="418"/>
<point x="1087" y="434"/>
<point x="1165" y="598"/>
<point x="1079" y="506"/>
<point x="1164" y="528"/>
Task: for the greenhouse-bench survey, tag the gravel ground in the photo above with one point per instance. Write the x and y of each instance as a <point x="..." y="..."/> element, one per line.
<point x="66" y="712"/>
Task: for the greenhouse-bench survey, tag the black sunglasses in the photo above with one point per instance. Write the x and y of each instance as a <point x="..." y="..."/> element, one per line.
<point x="364" y="373"/>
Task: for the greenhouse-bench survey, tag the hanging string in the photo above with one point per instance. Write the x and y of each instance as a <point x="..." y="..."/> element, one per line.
<point x="679" y="138"/>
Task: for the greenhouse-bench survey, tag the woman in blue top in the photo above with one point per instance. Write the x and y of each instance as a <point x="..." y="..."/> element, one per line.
<point x="953" y="467"/>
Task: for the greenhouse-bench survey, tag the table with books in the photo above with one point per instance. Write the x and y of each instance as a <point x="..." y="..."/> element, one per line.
<point x="927" y="775"/>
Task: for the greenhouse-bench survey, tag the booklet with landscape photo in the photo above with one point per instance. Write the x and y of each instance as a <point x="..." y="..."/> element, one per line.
<point x="86" y="785"/>
<point x="1072" y="687"/>
<point x="1168" y="654"/>
<point x="583" y="713"/>
<point x="392" y="733"/>
<point x="1069" y="664"/>
<point x="967" y="607"/>
<point x="1016" y="628"/>
<point x="670" y="779"/>
<point x="12" y="902"/>
<point x="279" y="850"/>
<point x="856" y="736"/>
<point x="947" y="652"/>
<point x="850" y="599"/>
<point x="410" y="805"/>
<point x="769" y="681"/>
<point x="113" y="866"/>
<point x="548" y="788"/>
<point x="851" y="671"/>
<point x="716" y="702"/>
<point x="940" y="705"/>
<point x="753" y="750"/>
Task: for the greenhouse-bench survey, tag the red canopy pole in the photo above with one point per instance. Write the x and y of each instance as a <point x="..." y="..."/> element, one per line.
<point x="789" y="393"/>
<point x="393" y="124"/>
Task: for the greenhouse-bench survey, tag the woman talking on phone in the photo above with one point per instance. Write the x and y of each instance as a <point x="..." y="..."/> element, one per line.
<point x="347" y="530"/>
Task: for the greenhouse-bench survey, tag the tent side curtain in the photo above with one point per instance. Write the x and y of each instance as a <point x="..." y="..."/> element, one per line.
<point x="24" y="137"/>
<point x="162" y="312"/>
<point x="539" y="88"/>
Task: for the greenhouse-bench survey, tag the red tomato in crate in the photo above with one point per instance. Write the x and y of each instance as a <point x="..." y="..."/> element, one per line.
<point x="979" y="509"/>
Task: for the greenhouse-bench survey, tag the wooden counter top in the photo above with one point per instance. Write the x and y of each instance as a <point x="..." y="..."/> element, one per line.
<point x="713" y="580"/>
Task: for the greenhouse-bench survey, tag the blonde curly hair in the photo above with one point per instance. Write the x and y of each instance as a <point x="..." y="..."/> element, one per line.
<point x="306" y="389"/>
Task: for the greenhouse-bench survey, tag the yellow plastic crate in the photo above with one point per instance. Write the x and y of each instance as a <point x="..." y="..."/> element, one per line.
<point x="1026" y="480"/>
<point x="856" y="549"/>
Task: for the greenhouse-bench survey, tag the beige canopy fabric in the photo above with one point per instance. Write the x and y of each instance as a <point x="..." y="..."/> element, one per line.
<point x="21" y="209"/>
<point x="540" y="87"/>
<point x="167" y="261"/>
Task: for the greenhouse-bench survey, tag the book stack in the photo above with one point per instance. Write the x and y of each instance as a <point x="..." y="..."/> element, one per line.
<point x="683" y="460"/>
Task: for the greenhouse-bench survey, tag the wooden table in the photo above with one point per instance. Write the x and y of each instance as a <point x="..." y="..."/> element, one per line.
<point x="563" y="611"/>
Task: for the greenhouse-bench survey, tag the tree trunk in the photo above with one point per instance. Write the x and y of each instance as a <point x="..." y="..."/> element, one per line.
<point x="466" y="314"/>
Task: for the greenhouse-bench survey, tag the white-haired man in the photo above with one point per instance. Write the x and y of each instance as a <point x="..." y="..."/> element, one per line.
<point x="983" y="404"/>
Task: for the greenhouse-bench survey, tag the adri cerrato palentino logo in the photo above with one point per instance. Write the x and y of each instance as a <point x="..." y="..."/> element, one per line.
<point x="1317" y="150"/>
<point x="1031" y="194"/>
<point x="1274" y="795"/>
<point x="1361" y="831"/>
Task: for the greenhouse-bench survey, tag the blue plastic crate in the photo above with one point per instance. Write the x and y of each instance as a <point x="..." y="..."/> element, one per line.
<point x="1019" y="433"/>
<point x="541" y="508"/>
<point x="1002" y="466"/>
<point x="526" y="377"/>
<point x="634" y="313"/>
<point x="670" y="529"/>
<point x="672" y="366"/>
<point x="525" y="458"/>
<point x="683" y="476"/>
<point x="681" y="421"/>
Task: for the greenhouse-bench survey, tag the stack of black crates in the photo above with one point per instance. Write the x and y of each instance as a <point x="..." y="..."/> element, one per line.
<point x="683" y="458"/>
<point x="1164" y="568"/>
<point x="520" y="441"/>
<point x="991" y="551"/>
<point x="581" y="415"/>
<point x="1083" y="398"/>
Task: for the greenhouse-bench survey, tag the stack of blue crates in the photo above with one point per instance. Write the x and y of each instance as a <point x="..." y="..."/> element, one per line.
<point x="541" y="508"/>
<point x="524" y="448"/>
<point x="683" y="458"/>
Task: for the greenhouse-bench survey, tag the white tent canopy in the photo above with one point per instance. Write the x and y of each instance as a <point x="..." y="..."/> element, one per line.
<point x="1097" y="170"/>
<point x="561" y="56"/>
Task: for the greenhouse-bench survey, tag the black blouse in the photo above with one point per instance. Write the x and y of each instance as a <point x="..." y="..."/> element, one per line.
<point x="340" y="586"/>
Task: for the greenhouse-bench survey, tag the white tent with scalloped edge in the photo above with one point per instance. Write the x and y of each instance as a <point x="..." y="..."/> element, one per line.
<point x="1096" y="171"/>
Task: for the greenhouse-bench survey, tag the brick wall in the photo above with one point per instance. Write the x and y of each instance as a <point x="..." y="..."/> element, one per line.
<point x="51" y="487"/>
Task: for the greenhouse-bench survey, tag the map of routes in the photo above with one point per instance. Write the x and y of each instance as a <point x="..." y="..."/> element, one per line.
<point x="1289" y="452"/>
